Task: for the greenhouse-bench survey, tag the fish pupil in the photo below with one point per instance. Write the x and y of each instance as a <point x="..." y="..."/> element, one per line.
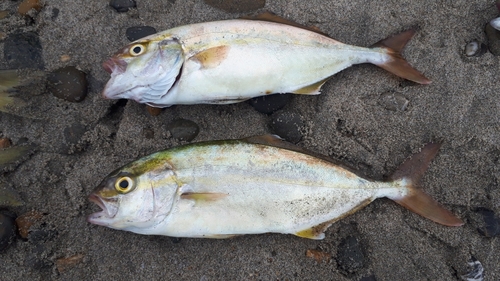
<point x="123" y="184"/>
<point x="137" y="49"/>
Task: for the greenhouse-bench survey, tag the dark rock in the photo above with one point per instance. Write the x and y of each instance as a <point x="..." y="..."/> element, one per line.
<point x="183" y="129"/>
<point x="393" y="101"/>
<point x="493" y="36"/>
<point x="68" y="83"/>
<point x="148" y="133"/>
<point x="55" y="13"/>
<point x="350" y="256"/>
<point x="122" y="6"/>
<point x="7" y="229"/>
<point x="491" y="226"/>
<point x="237" y="6"/>
<point x="287" y="125"/>
<point x="270" y="103"/>
<point x="137" y="32"/>
<point x="23" y="50"/>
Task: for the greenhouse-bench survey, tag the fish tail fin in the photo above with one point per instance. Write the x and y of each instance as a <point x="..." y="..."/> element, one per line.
<point x="416" y="200"/>
<point x="395" y="63"/>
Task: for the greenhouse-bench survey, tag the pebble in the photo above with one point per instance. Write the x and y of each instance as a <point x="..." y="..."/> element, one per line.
<point x="393" y="101"/>
<point x="137" y="32"/>
<point x="122" y="6"/>
<point x="7" y="229"/>
<point x="64" y="264"/>
<point x="270" y="103"/>
<point x="183" y="129"/>
<point x="23" y="50"/>
<point x="491" y="223"/>
<point x="27" y="5"/>
<point x="237" y="6"/>
<point x="318" y="255"/>
<point x="493" y="36"/>
<point x="25" y="221"/>
<point x="154" y="111"/>
<point x="475" y="272"/>
<point x="68" y="83"/>
<point x="3" y="14"/>
<point x="5" y="142"/>
<point x="287" y="125"/>
<point x="475" y="49"/>
<point x="350" y="256"/>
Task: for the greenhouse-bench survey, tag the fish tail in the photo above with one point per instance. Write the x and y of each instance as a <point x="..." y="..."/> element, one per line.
<point x="416" y="200"/>
<point x="395" y="63"/>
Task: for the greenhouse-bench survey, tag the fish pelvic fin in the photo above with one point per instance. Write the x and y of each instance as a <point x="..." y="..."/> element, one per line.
<point x="396" y="64"/>
<point x="409" y="173"/>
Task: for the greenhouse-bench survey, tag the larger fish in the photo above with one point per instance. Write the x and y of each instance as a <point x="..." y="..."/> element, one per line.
<point x="224" y="188"/>
<point x="234" y="60"/>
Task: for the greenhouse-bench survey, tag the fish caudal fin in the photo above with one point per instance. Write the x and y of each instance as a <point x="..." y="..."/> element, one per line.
<point x="416" y="200"/>
<point x="396" y="64"/>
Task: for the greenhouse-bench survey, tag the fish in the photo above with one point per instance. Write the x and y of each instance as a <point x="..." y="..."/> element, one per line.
<point x="260" y="184"/>
<point x="231" y="61"/>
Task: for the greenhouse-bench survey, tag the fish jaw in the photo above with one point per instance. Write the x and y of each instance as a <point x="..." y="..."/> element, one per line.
<point x="106" y="215"/>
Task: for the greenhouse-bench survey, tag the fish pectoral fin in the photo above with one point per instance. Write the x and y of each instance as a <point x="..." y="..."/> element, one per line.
<point x="313" y="89"/>
<point x="315" y="232"/>
<point x="212" y="57"/>
<point x="203" y="197"/>
<point x="267" y="16"/>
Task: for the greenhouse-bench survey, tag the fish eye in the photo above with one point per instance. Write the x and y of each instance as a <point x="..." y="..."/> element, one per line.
<point x="124" y="185"/>
<point x="137" y="50"/>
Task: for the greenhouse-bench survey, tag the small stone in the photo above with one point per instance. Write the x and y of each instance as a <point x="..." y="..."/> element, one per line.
<point x="183" y="129"/>
<point x="27" y="5"/>
<point x="475" y="49"/>
<point x="148" y="133"/>
<point x="65" y="58"/>
<point x="137" y="32"/>
<point x="491" y="226"/>
<point x="270" y="103"/>
<point x="3" y="14"/>
<point x="393" y="101"/>
<point x="23" y="50"/>
<point x="26" y="220"/>
<point x="287" y="125"/>
<point x="154" y="111"/>
<point x="7" y="229"/>
<point x="68" y="83"/>
<point x="493" y="36"/>
<point x="5" y="142"/>
<point x="122" y="6"/>
<point x="237" y="6"/>
<point x="319" y="256"/>
<point x="475" y="272"/>
<point x="64" y="264"/>
<point x="350" y="256"/>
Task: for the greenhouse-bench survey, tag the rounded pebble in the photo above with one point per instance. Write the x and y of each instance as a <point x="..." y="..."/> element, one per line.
<point x="5" y="142"/>
<point x="183" y="129"/>
<point x="137" y="32"/>
<point x="350" y="256"/>
<point x="475" y="49"/>
<point x="393" y="101"/>
<point x="7" y="229"/>
<point x="154" y="111"/>
<point x="287" y="125"/>
<point x="23" y="50"/>
<point x="493" y="36"/>
<point x="270" y="103"/>
<point x="237" y="6"/>
<point x="25" y="221"/>
<point x="68" y="83"/>
<point x="27" y="5"/>
<point x="490" y="224"/>
<point x="122" y="6"/>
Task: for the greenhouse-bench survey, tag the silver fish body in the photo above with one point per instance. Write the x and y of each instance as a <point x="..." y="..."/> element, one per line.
<point x="234" y="60"/>
<point x="226" y="188"/>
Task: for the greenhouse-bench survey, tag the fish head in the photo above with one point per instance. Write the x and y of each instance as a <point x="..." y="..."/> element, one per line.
<point x="135" y="197"/>
<point x="144" y="70"/>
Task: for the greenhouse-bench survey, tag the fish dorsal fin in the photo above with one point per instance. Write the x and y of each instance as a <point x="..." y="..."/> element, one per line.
<point x="203" y="197"/>
<point x="212" y="57"/>
<point x="271" y="17"/>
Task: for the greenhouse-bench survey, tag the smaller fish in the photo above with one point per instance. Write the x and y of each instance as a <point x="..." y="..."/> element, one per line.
<point x="262" y="184"/>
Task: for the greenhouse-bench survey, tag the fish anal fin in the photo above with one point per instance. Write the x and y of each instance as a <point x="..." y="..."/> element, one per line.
<point x="409" y="173"/>
<point x="312" y="89"/>
<point x="397" y="64"/>
<point x="311" y="233"/>
<point x="212" y="57"/>
<point x="268" y="16"/>
<point x="203" y="197"/>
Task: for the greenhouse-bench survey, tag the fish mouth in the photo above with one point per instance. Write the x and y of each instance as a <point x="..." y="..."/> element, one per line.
<point x="114" y="66"/>
<point x="107" y="213"/>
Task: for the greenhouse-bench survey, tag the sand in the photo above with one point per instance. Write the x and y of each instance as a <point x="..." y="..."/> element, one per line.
<point x="460" y="108"/>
